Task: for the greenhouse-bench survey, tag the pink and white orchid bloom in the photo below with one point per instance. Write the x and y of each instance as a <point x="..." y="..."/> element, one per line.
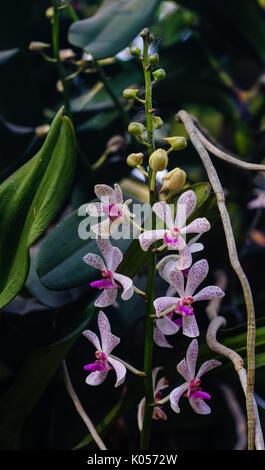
<point x="182" y="305"/>
<point x="113" y="257"/>
<point x="191" y="389"/>
<point x="172" y="236"/>
<point x="112" y="206"/>
<point x="104" y="362"/>
<point x="158" y="413"/>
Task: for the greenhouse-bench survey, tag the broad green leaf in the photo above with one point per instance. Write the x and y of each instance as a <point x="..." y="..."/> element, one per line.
<point x="59" y="262"/>
<point x="30" y="199"/>
<point x="33" y="378"/>
<point x="113" y="27"/>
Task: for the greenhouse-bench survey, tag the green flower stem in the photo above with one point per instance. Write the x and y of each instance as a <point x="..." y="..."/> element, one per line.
<point x="112" y="93"/>
<point x="149" y="325"/>
<point x="60" y="68"/>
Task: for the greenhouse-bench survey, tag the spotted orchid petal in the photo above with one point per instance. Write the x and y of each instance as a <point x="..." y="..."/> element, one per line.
<point x="93" y="338"/>
<point x="183" y="370"/>
<point x="161" y="385"/>
<point x="163" y="303"/>
<point x="185" y="259"/>
<point x="191" y="357"/>
<point x="162" y="210"/>
<point x="96" y="209"/>
<point x="117" y="258"/>
<point x="148" y="237"/>
<point x="176" y="279"/>
<point x="167" y="326"/>
<point x="94" y="260"/>
<point x="103" y="229"/>
<point x="107" y="251"/>
<point x="96" y="378"/>
<point x="118" y="194"/>
<point x="160" y="340"/>
<point x="154" y="375"/>
<point x="196" y="276"/>
<point x="120" y="370"/>
<point x="190" y="326"/>
<point x="199" y="406"/>
<point x="208" y="293"/>
<point x="207" y="366"/>
<point x="105" y="194"/>
<point x="175" y="396"/>
<point x="185" y="206"/>
<point x="199" y="225"/>
<point x="104" y="329"/>
<point x="195" y="247"/>
<point x="107" y="298"/>
<point x="127" y="285"/>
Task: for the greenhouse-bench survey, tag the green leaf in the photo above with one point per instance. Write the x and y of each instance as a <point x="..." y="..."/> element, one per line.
<point x="29" y="201"/>
<point x="33" y="378"/>
<point x="113" y="27"/>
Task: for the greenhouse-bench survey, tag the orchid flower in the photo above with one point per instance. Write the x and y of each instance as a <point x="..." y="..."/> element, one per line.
<point x="112" y="206"/>
<point x="259" y="201"/>
<point x="191" y="389"/>
<point x="169" y="306"/>
<point x="158" y="413"/>
<point x="104" y="362"/>
<point x="113" y="257"/>
<point x="173" y="235"/>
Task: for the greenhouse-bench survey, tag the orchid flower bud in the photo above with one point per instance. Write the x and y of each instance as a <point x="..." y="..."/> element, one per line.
<point x="135" y="51"/>
<point x="177" y="143"/>
<point x="153" y="59"/>
<point x="115" y="143"/>
<point x="158" y="123"/>
<point x="130" y="93"/>
<point x="66" y="54"/>
<point x="49" y="13"/>
<point x="159" y="74"/>
<point x="147" y="35"/>
<point x="174" y="180"/>
<point x="135" y="159"/>
<point x="158" y="160"/>
<point x="38" y="46"/>
<point x="136" y="129"/>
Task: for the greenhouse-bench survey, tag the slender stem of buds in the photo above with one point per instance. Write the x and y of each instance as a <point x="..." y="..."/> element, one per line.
<point x="128" y="366"/>
<point x="60" y="68"/>
<point x="232" y="250"/>
<point x="142" y="170"/>
<point x="139" y="291"/>
<point x="80" y="409"/>
<point x="149" y="328"/>
<point x="101" y="160"/>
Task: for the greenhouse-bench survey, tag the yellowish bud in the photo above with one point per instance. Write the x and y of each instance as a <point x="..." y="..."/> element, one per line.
<point x="38" y="46"/>
<point x="158" y="160"/>
<point x="135" y="159"/>
<point x="49" y="13"/>
<point x="130" y="93"/>
<point x="158" y="123"/>
<point x="59" y="86"/>
<point x="176" y="143"/>
<point x="66" y="54"/>
<point x="174" y="180"/>
<point x="42" y="131"/>
<point x="159" y="74"/>
<point x="115" y="143"/>
<point x="136" y="128"/>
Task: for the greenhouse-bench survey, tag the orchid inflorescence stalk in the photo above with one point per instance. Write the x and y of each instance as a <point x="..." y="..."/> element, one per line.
<point x="165" y="316"/>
